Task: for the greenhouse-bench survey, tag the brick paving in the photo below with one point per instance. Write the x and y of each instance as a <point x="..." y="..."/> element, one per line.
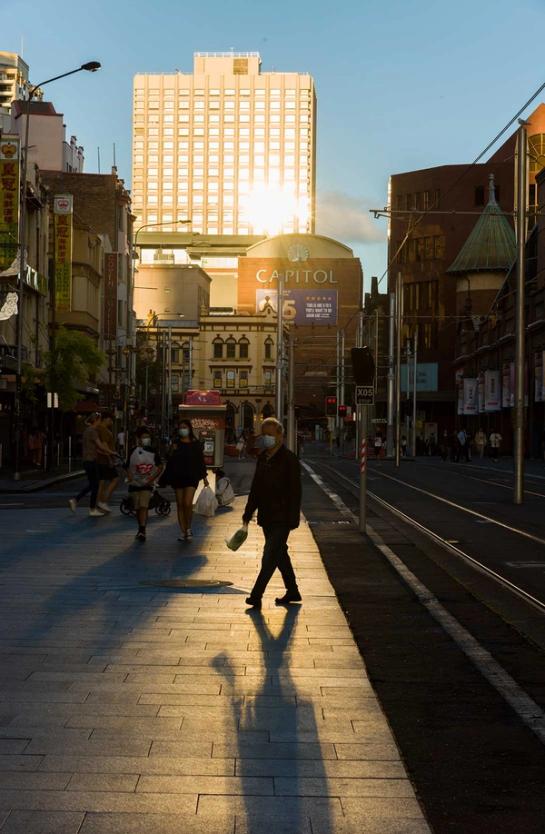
<point x="129" y="708"/>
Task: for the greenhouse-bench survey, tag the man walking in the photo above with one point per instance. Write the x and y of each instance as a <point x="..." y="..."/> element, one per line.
<point x="92" y="445"/>
<point x="463" y="445"/>
<point x="276" y="495"/>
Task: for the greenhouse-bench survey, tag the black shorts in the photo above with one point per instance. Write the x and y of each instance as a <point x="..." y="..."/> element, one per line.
<point x="107" y="472"/>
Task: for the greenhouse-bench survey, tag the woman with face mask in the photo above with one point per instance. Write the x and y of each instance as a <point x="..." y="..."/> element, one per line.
<point x="185" y="468"/>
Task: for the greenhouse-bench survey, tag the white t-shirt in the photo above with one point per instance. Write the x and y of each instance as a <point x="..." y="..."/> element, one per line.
<point x="495" y="440"/>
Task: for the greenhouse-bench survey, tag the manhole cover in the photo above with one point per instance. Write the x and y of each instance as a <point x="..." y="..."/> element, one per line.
<point x="186" y="583"/>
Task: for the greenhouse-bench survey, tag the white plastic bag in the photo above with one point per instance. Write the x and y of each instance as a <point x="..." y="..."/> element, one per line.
<point x="225" y="493"/>
<point x="206" y="504"/>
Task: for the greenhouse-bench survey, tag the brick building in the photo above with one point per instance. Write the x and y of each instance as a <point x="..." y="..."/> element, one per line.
<point x="438" y="208"/>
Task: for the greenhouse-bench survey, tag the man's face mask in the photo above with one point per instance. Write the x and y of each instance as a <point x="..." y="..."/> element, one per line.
<point x="268" y="441"/>
<point x="146" y="441"/>
<point x="184" y="432"/>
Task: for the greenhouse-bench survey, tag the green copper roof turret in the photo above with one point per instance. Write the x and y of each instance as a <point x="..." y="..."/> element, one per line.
<point x="491" y="245"/>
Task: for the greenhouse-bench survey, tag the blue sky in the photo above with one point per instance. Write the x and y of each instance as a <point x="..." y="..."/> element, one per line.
<point x="400" y="85"/>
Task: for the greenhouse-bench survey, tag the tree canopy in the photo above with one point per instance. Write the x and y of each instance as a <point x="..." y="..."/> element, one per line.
<point x="73" y="361"/>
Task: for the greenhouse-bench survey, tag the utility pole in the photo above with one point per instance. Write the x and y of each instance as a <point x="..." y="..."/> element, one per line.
<point x="399" y="320"/>
<point x="415" y="366"/>
<point x="522" y="202"/>
<point x="280" y="351"/>
<point x="341" y="399"/>
<point x="391" y="378"/>
<point x="292" y="434"/>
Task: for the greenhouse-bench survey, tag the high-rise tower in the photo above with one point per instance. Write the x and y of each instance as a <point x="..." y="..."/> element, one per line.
<point x="228" y="146"/>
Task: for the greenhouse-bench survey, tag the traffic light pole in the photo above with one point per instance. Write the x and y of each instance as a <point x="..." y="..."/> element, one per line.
<point x="362" y="435"/>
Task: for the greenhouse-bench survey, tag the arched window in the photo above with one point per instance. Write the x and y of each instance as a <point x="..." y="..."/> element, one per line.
<point x="243" y="348"/>
<point x="175" y="353"/>
<point x="218" y="348"/>
<point x="268" y="347"/>
<point x="231" y="347"/>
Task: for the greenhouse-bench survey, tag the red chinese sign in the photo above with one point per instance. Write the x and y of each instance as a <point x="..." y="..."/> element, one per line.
<point x="110" y="295"/>
<point x="62" y="214"/>
<point x="9" y="199"/>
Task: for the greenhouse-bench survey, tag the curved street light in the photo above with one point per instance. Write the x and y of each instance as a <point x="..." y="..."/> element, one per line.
<point x="90" y="66"/>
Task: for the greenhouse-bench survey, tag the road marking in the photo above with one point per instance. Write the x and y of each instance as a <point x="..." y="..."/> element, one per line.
<point x="496" y="469"/>
<point x="465" y="509"/>
<point x="525" y="707"/>
<point x="488" y="480"/>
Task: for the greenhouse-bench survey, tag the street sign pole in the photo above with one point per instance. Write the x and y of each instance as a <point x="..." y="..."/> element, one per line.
<point x="363" y="467"/>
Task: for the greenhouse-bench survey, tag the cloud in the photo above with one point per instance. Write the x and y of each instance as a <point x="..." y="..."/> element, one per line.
<point x="347" y="218"/>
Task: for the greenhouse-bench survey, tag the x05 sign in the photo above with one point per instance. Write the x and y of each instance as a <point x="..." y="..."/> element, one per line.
<point x="365" y="394"/>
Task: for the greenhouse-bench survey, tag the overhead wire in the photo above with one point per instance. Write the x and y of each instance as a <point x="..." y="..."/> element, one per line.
<point x="457" y="181"/>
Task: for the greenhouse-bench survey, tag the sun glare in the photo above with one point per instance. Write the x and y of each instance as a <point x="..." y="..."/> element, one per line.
<point x="271" y="209"/>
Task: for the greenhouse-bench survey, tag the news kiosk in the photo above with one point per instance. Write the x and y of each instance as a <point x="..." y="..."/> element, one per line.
<point x="207" y="414"/>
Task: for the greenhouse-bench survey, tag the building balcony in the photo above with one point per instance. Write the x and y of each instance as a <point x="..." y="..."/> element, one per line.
<point x="250" y="391"/>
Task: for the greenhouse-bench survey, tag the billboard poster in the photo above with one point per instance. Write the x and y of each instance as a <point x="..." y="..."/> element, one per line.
<point x="302" y="307"/>
<point x="9" y="199"/>
<point x="505" y="386"/>
<point x="492" y="400"/>
<point x="426" y="376"/>
<point x="62" y="217"/>
<point x="471" y="396"/>
<point x="480" y="392"/>
<point x="110" y="296"/>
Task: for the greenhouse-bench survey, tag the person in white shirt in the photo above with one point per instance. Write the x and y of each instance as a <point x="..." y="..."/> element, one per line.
<point x="495" y="440"/>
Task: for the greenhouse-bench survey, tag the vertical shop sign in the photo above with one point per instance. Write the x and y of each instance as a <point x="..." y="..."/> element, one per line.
<point x="9" y="199"/>
<point x="62" y="217"/>
<point x="110" y="295"/>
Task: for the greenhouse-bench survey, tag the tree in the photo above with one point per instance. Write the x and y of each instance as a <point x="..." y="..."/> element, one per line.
<point x="73" y="360"/>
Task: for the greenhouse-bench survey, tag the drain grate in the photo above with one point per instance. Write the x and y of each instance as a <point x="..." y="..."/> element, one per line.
<point x="186" y="583"/>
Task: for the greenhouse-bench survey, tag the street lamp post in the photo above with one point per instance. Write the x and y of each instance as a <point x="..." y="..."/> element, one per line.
<point x="90" y="66"/>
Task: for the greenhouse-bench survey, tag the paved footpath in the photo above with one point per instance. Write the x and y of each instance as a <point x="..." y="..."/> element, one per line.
<point x="129" y="708"/>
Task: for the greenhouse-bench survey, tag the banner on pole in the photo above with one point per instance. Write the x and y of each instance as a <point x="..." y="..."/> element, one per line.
<point x="492" y="400"/>
<point x="9" y="199"/>
<point x="62" y="217"/>
<point x="471" y="396"/>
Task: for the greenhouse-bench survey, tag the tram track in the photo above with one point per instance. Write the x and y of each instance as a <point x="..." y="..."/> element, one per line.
<point x="443" y="542"/>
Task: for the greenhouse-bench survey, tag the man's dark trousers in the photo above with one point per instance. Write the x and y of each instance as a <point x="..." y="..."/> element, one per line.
<point x="275" y="555"/>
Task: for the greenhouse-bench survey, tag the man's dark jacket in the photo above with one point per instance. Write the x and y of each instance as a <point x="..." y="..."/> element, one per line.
<point x="276" y="490"/>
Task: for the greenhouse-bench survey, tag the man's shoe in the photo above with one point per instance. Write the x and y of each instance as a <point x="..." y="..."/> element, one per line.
<point x="254" y="602"/>
<point x="140" y="536"/>
<point x="95" y="513"/>
<point x="189" y="534"/>
<point x="289" y="596"/>
<point x="104" y="507"/>
<point x="72" y="503"/>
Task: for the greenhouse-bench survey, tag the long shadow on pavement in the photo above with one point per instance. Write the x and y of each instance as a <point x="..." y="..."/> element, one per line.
<point x="280" y="709"/>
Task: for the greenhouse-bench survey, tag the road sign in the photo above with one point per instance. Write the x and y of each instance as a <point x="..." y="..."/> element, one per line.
<point x="365" y="394"/>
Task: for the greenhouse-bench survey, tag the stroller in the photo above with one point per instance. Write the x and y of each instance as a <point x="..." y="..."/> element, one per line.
<point x="158" y="502"/>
